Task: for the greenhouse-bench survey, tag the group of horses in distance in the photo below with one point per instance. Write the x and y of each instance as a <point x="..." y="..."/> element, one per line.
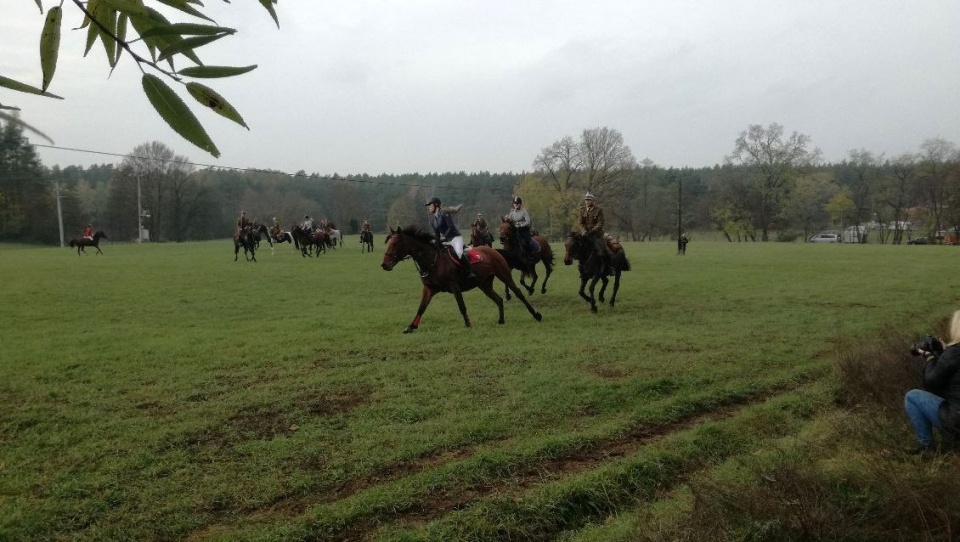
<point x="440" y="269"/>
<point x="309" y="243"/>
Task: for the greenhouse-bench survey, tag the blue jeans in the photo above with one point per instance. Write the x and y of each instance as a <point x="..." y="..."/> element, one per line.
<point x="922" y="409"/>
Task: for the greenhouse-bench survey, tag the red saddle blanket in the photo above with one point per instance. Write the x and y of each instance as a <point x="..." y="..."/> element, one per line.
<point x="474" y="255"/>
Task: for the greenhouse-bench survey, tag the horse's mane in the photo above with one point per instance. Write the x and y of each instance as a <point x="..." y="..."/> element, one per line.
<point x="417" y="232"/>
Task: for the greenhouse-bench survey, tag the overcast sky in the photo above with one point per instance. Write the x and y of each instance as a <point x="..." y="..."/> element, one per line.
<point x="366" y="86"/>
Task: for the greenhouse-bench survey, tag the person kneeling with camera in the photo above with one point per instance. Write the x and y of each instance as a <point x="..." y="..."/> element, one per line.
<point x="938" y="404"/>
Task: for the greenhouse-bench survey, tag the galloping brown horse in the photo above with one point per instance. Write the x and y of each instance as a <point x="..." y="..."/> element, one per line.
<point x="526" y="264"/>
<point x="440" y="272"/>
<point x="579" y="247"/>
<point x="81" y="242"/>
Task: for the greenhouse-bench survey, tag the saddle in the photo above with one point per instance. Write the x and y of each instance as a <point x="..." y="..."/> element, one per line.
<point x="474" y="256"/>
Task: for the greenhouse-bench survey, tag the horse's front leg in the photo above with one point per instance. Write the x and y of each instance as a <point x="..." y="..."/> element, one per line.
<point x="236" y="251"/>
<point x="593" y="287"/>
<point x="463" y="306"/>
<point x="424" y="301"/>
<point x="603" y="288"/>
<point x="616" y="287"/>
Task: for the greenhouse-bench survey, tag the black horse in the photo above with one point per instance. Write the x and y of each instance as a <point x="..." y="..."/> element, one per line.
<point x="81" y="242"/>
<point x="579" y="247"/>
<point x="260" y="232"/>
<point x="366" y="238"/>
<point x="247" y="239"/>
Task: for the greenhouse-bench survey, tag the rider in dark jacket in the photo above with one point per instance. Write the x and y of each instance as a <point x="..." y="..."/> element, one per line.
<point x="446" y="231"/>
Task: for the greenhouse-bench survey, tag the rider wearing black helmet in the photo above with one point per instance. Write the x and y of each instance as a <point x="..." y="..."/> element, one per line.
<point x="520" y="219"/>
<point x="447" y="232"/>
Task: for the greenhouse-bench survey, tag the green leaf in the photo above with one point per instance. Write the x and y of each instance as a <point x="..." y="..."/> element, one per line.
<point x="176" y="113"/>
<point x="269" y="7"/>
<point x="16" y="120"/>
<point x="144" y="24"/>
<point x="185" y="46"/>
<point x="39" y="5"/>
<point x="207" y="72"/>
<point x="50" y="45"/>
<point x="211" y="99"/>
<point x="186" y="8"/>
<point x="108" y="18"/>
<point x="22" y="87"/>
<point x="9" y="107"/>
<point x="189" y="29"/>
<point x="130" y="7"/>
<point x="121" y="33"/>
<point x="93" y="30"/>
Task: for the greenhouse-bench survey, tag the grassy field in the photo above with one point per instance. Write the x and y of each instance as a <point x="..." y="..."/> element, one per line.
<point x="166" y="392"/>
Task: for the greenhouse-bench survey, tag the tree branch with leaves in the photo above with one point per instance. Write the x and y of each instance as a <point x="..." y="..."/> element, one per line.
<point x="157" y="45"/>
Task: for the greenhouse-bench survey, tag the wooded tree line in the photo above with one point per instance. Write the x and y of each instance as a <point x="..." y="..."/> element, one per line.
<point x="771" y="187"/>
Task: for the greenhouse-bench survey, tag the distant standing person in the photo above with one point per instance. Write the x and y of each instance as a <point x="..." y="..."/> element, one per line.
<point x="682" y="243"/>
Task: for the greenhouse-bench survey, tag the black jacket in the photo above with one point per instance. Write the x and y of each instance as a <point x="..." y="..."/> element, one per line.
<point x="941" y="376"/>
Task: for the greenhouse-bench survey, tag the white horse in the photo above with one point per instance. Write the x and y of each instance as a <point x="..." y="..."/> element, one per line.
<point x="336" y="237"/>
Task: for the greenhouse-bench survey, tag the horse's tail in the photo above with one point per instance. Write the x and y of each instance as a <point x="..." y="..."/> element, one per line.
<point x="625" y="266"/>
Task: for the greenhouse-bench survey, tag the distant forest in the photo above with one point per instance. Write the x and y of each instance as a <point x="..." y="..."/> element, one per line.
<point x="771" y="187"/>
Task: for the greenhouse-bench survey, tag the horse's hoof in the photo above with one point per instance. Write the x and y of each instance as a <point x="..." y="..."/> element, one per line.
<point x="537" y="316"/>
<point x="409" y="329"/>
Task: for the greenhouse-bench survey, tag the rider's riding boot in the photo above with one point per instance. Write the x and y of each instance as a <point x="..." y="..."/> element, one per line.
<point x="465" y="261"/>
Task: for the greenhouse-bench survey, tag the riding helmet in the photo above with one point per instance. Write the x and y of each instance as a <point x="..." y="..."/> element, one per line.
<point x="518" y="200"/>
<point x="587" y="196"/>
<point x="433" y="201"/>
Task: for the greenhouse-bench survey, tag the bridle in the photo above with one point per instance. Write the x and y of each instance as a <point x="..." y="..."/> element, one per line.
<point x="394" y="259"/>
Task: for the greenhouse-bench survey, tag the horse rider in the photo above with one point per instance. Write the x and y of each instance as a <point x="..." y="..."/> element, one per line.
<point x="365" y="228"/>
<point x="275" y="230"/>
<point x="446" y="231"/>
<point x="520" y="218"/>
<point x="243" y="223"/>
<point x="481" y="226"/>
<point x="307" y="224"/>
<point x="591" y="224"/>
<point x="88" y="232"/>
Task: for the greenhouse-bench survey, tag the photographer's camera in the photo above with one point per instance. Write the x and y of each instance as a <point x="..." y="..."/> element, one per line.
<point x="929" y="344"/>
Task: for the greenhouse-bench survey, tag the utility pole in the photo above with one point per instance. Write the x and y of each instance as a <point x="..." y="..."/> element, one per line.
<point x="679" y="213"/>
<point x="139" y="213"/>
<point x="56" y="189"/>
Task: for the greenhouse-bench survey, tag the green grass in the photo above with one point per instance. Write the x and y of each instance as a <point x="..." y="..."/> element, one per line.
<point x="162" y="392"/>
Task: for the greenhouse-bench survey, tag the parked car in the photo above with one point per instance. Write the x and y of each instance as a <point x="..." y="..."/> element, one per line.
<point x="919" y="241"/>
<point x="825" y="237"/>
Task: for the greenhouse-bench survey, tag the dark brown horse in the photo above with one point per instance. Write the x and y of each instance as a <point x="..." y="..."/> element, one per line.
<point x="366" y="238"/>
<point x="440" y="272"/>
<point x="247" y="239"/>
<point x="526" y="263"/>
<point x="309" y="242"/>
<point x="480" y="238"/>
<point x="579" y="247"/>
<point x="81" y="242"/>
